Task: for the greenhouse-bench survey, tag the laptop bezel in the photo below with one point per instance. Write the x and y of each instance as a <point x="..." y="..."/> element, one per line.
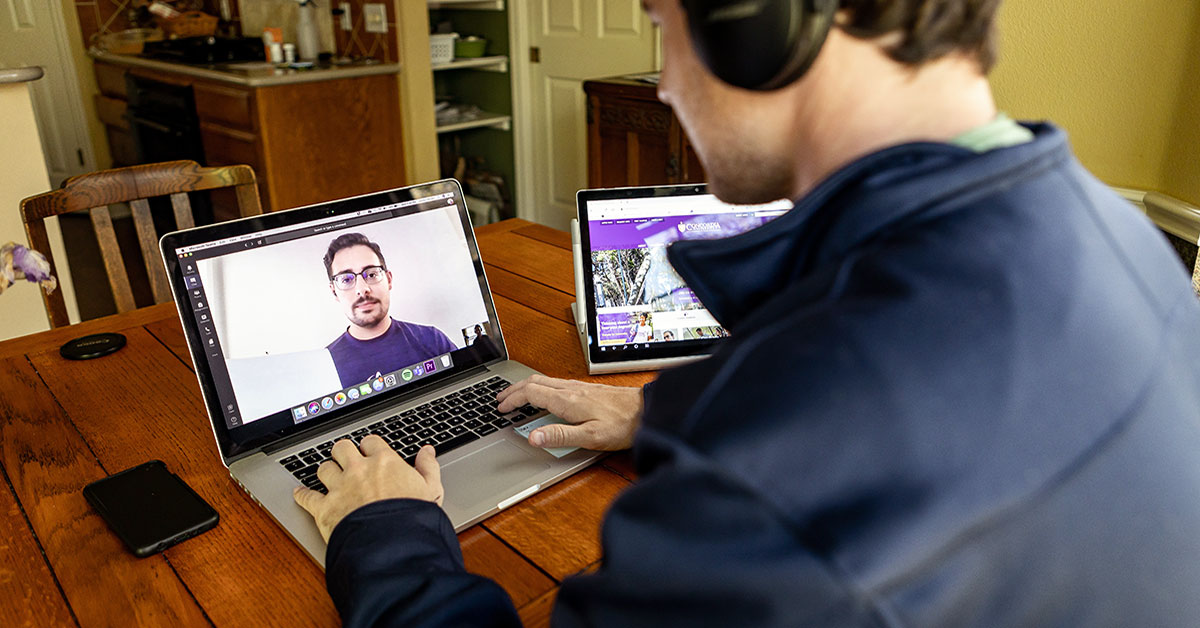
<point x="233" y="446"/>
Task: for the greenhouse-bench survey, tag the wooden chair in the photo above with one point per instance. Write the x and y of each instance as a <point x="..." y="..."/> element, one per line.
<point x="95" y="191"/>
<point x="1180" y="223"/>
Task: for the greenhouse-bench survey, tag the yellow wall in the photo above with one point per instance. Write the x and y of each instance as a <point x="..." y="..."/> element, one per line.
<point x="22" y="174"/>
<point x="1181" y="169"/>
<point x="1118" y="75"/>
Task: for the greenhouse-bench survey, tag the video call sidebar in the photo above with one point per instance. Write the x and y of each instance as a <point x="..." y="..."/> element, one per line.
<point x="209" y="340"/>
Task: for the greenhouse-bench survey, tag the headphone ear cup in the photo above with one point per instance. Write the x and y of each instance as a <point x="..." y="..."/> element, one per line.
<point x="759" y="44"/>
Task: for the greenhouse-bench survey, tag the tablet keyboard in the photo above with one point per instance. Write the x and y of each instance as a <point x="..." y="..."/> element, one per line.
<point x="446" y="423"/>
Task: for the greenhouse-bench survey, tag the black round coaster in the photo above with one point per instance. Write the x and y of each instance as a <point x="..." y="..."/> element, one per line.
<point x="93" y="346"/>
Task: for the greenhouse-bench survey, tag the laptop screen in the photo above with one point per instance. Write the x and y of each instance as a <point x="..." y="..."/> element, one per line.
<point x="638" y="301"/>
<point x="342" y="305"/>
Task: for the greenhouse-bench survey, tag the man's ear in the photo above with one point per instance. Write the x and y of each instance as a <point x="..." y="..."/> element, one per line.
<point x="333" y="291"/>
<point x="389" y="275"/>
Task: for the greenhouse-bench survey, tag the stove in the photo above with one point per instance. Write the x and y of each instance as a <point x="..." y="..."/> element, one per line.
<point x="205" y="50"/>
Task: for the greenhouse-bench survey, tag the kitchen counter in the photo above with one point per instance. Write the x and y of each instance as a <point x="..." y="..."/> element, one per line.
<point x="253" y="74"/>
<point x="310" y="135"/>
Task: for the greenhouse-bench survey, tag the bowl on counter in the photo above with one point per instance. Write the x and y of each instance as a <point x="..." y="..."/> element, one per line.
<point x="127" y="42"/>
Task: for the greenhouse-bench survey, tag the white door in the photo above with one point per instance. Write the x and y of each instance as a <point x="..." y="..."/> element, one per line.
<point x="33" y="32"/>
<point x="576" y="40"/>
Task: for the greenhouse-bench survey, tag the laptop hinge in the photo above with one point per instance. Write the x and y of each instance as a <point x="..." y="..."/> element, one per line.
<point x="300" y="437"/>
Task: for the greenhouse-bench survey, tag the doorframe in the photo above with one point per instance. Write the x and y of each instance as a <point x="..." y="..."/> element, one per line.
<point x="522" y="127"/>
<point x="66" y="56"/>
<point x="83" y="135"/>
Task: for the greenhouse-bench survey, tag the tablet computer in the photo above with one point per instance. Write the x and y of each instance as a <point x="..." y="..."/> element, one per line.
<point x="633" y="311"/>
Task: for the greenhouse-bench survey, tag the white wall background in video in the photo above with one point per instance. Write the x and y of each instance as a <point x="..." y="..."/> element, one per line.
<point x="276" y="301"/>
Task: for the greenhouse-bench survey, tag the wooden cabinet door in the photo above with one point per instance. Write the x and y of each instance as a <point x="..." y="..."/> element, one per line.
<point x="690" y="169"/>
<point x="110" y="79"/>
<point x="629" y="143"/>
<point x="229" y="132"/>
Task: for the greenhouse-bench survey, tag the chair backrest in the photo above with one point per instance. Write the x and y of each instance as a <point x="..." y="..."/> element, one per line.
<point x="1180" y="223"/>
<point x="1196" y="277"/>
<point x="95" y="191"/>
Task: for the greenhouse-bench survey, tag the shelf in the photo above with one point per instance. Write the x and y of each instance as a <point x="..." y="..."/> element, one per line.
<point x="490" y="64"/>
<point x="486" y="120"/>
<point x="484" y="5"/>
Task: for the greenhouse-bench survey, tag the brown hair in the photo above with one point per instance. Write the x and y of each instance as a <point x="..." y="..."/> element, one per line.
<point x="928" y="29"/>
<point x="346" y="241"/>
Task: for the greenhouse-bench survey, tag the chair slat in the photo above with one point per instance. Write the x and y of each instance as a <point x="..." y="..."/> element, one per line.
<point x="247" y="197"/>
<point x="183" y="211"/>
<point x="118" y="279"/>
<point x="56" y="306"/>
<point x="148" y="243"/>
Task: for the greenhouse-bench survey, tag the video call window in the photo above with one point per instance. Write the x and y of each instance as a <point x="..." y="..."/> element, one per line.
<point x="286" y="329"/>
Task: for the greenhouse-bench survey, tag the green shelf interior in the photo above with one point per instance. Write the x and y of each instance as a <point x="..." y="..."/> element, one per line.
<point x="489" y="90"/>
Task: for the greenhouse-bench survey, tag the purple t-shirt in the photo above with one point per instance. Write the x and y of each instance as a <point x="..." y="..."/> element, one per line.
<point x="403" y="344"/>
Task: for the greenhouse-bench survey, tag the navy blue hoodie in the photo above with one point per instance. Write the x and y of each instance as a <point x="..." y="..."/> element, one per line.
<point x="961" y="390"/>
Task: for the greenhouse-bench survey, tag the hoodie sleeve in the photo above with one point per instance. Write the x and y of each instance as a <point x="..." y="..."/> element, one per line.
<point x="398" y="563"/>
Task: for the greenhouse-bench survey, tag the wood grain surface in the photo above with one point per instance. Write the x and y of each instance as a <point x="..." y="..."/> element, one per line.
<point x="535" y="295"/>
<point x="32" y="343"/>
<point x="559" y="528"/>
<point x="561" y="239"/>
<point x="151" y="408"/>
<point x="64" y="424"/>
<point x="29" y="595"/>
<point x="536" y="614"/>
<point x="49" y="464"/>
<point x="170" y="334"/>
<point x="621" y="463"/>
<point x="544" y="263"/>
<point x="486" y="555"/>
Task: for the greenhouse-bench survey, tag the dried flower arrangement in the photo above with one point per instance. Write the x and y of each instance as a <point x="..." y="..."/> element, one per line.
<point x="19" y="262"/>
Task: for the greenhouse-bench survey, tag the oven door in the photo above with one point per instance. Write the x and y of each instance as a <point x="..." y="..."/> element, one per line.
<point x="164" y="125"/>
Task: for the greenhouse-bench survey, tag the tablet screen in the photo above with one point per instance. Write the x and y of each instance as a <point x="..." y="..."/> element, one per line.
<point x="638" y="306"/>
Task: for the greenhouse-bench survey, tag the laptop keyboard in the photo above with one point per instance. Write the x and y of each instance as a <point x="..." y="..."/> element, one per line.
<point x="446" y="423"/>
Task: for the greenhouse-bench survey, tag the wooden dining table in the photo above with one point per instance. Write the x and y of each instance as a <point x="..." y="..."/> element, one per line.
<point x="64" y="424"/>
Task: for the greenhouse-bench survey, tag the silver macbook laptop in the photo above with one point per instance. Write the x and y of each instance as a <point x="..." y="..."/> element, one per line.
<point x="358" y="316"/>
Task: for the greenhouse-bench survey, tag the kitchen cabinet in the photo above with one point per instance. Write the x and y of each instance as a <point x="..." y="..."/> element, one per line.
<point x="112" y="102"/>
<point x="634" y="139"/>
<point x="308" y="141"/>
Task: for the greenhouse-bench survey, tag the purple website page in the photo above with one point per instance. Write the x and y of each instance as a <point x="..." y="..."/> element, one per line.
<point x="640" y="299"/>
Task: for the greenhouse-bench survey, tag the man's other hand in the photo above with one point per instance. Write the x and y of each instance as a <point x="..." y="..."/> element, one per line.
<point x="358" y="476"/>
<point x="598" y="416"/>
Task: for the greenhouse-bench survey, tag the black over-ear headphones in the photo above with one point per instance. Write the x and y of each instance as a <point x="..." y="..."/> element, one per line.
<point x="759" y="44"/>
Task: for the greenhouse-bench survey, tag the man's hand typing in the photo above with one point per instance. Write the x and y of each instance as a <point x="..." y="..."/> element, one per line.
<point x="598" y="416"/>
<point x="372" y="472"/>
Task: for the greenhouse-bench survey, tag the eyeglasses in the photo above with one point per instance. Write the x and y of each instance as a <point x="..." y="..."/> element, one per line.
<point x="371" y="275"/>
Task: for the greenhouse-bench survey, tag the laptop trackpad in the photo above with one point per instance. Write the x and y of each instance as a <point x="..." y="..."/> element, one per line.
<point x="489" y="473"/>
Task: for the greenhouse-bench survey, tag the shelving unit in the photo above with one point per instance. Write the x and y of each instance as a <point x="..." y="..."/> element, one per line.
<point x="493" y="120"/>
<point x="495" y="63"/>
<point x="484" y="82"/>
<point x="484" y="5"/>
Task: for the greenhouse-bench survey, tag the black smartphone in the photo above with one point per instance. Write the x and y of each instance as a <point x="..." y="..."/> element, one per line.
<point x="150" y="508"/>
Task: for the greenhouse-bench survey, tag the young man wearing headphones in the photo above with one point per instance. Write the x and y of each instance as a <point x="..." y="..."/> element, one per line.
<point x="961" y="387"/>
